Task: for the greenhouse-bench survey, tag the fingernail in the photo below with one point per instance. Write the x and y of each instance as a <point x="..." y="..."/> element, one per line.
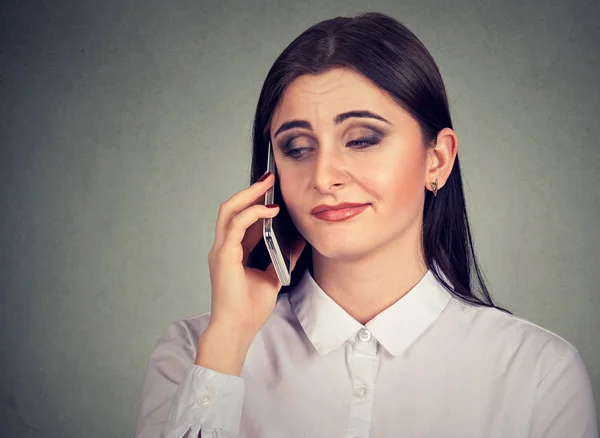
<point x="272" y="205"/>
<point x="264" y="177"/>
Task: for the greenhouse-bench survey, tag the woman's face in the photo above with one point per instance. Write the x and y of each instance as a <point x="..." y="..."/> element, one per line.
<point x="366" y="160"/>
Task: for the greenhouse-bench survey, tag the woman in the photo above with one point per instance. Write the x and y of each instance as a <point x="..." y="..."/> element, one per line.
<point x="380" y="333"/>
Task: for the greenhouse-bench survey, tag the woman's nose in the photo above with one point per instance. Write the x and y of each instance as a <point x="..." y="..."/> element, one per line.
<point x="329" y="171"/>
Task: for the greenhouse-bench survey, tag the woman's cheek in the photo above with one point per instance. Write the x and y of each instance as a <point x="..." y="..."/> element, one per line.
<point x="398" y="187"/>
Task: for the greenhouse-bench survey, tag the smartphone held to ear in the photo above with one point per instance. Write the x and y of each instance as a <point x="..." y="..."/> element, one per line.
<point x="276" y="231"/>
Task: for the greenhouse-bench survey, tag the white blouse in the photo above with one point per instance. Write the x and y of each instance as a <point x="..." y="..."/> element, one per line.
<point x="428" y="366"/>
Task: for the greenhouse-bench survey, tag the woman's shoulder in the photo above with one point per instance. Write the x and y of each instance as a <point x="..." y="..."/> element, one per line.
<point x="180" y="337"/>
<point x="188" y="330"/>
<point x="190" y="327"/>
<point x="506" y="335"/>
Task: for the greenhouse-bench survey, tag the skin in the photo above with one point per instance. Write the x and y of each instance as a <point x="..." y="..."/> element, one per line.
<point x="367" y="263"/>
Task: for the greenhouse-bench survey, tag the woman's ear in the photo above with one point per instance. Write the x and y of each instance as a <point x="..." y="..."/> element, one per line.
<point x="440" y="158"/>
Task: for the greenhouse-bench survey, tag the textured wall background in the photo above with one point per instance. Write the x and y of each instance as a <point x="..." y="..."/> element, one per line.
<point x="125" y="124"/>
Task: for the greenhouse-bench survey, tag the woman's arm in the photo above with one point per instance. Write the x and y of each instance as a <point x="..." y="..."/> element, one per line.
<point x="179" y="398"/>
<point x="564" y="401"/>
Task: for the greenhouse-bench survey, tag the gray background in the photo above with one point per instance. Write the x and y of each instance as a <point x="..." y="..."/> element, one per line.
<point x="125" y="124"/>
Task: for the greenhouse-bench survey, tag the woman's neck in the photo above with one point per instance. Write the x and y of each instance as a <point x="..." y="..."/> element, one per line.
<point x="366" y="286"/>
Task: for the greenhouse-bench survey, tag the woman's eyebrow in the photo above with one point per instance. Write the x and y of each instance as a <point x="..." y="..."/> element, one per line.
<point x="363" y="114"/>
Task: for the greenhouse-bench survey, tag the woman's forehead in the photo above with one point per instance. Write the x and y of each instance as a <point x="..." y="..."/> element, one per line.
<point x="319" y="98"/>
<point x="337" y="85"/>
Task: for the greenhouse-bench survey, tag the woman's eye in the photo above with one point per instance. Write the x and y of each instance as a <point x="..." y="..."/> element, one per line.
<point x="295" y="153"/>
<point x="364" y="142"/>
<point x="359" y="143"/>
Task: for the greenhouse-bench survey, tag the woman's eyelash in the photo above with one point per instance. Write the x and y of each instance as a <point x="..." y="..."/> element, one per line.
<point x="363" y="142"/>
<point x="293" y="153"/>
<point x="360" y="143"/>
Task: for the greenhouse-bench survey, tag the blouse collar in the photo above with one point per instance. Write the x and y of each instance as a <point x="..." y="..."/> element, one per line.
<point x="328" y="325"/>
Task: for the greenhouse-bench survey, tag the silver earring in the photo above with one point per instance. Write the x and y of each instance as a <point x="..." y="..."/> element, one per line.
<point x="434" y="186"/>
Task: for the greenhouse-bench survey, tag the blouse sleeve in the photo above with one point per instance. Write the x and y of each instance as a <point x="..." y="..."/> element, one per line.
<point x="183" y="400"/>
<point x="565" y="402"/>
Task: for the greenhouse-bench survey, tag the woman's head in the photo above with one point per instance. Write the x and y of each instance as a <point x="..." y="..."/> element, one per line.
<point x="357" y="112"/>
<point x="338" y="137"/>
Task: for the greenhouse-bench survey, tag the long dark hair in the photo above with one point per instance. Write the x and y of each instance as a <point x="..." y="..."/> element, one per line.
<point x="391" y="56"/>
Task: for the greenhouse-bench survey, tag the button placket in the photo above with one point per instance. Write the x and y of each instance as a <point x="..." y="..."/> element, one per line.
<point x="364" y="366"/>
<point x="361" y="392"/>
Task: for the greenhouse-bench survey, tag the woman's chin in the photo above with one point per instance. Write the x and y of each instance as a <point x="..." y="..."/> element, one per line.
<point x="341" y="249"/>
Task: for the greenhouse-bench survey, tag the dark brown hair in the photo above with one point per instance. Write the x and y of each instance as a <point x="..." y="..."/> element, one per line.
<point x="391" y="56"/>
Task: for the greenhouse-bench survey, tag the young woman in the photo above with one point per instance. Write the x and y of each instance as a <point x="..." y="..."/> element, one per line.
<point x="381" y="333"/>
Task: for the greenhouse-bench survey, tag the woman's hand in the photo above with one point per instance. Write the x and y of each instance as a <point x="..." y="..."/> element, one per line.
<point x="242" y="298"/>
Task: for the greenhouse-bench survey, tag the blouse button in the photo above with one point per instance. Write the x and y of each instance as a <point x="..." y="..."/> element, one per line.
<point x="361" y="392"/>
<point x="205" y="400"/>
<point x="364" y="335"/>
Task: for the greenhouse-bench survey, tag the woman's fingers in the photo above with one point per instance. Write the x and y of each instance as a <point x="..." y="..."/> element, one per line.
<point x="237" y="229"/>
<point x="253" y="235"/>
<point x="241" y="200"/>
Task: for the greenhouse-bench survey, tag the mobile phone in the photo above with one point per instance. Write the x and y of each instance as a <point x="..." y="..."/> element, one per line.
<point x="276" y="229"/>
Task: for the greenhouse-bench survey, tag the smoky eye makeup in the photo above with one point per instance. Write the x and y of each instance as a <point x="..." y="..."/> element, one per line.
<point x="364" y="141"/>
<point x="367" y="128"/>
<point x="359" y="135"/>
<point x="364" y="132"/>
<point x="289" y="143"/>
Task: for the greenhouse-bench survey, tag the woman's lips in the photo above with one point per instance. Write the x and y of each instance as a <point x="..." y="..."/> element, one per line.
<point x="340" y="214"/>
